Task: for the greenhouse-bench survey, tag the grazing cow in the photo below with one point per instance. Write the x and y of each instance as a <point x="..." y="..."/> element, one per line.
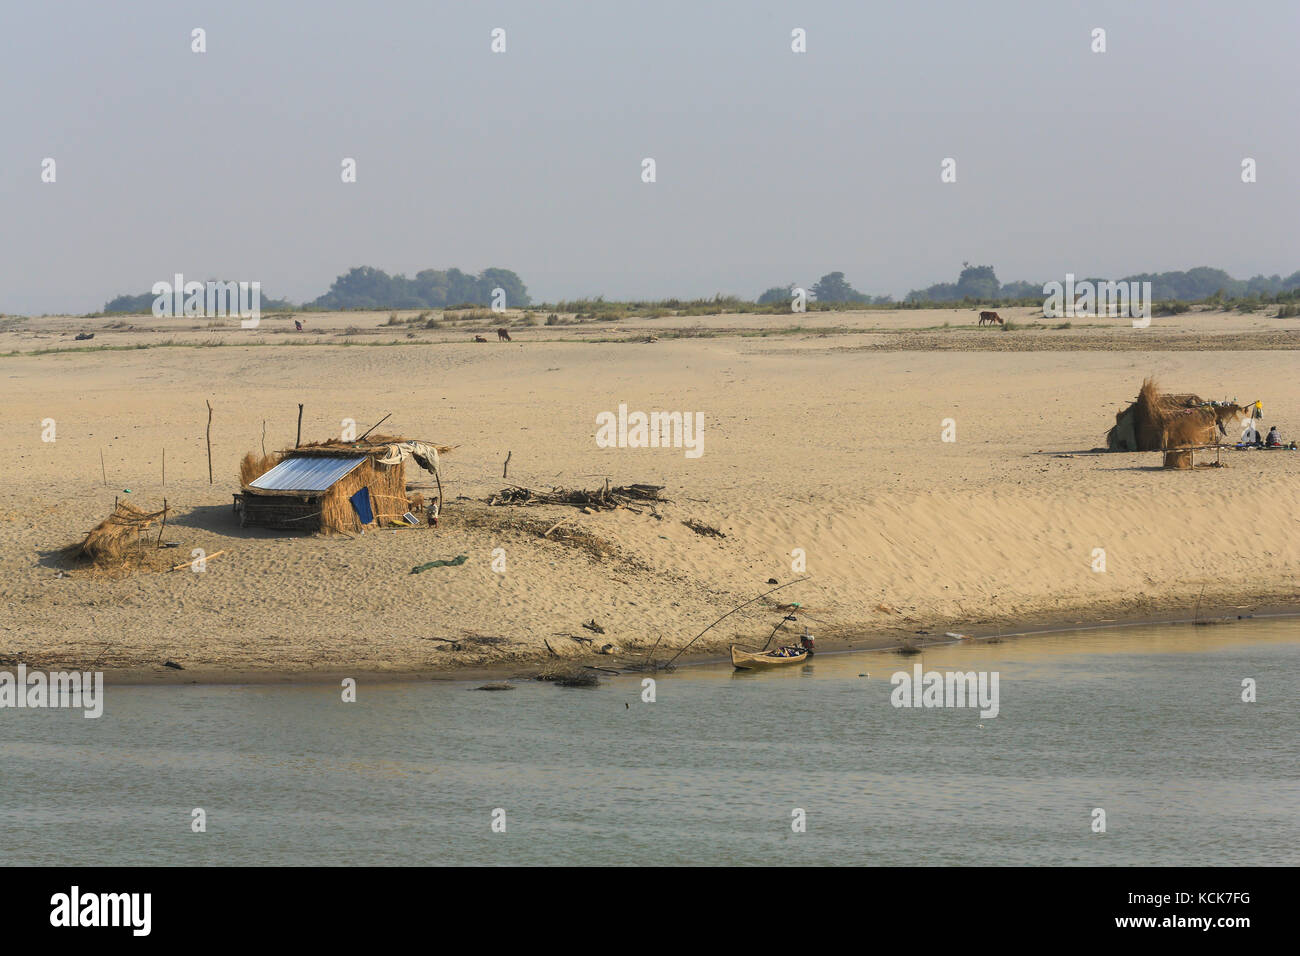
<point x="503" y="335"/>
<point x="479" y="338"/>
<point x="992" y="318"/>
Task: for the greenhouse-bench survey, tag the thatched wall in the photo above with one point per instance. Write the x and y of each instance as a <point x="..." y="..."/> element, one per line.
<point x="1191" y="426"/>
<point x="387" y="484"/>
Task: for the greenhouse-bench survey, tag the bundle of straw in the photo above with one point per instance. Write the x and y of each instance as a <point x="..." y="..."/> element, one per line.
<point x="254" y="466"/>
<point x="109" y="542"/>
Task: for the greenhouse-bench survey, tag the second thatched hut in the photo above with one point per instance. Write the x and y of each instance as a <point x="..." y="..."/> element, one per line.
<point x="1140" y="426"/>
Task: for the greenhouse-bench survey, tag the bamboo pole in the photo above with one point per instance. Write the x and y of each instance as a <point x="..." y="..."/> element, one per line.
<point x="375" y="425"/>
<point x="209" y="404"/>
<point x="196" y="560"/>
<point x="731" y="612"/>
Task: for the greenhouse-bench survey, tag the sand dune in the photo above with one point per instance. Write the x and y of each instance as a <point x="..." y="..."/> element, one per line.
<point x="813" y="440"/>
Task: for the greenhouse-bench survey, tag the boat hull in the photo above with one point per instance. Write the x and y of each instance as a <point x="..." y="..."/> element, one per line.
<point x="752" y="661"/>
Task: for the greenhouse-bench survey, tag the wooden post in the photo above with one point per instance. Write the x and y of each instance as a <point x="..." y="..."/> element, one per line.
<point x="164" y="483"/>
<point x="505" y="468"/>
<point x="102" y="470"/>
<point x="263" y="437"/>
<point x="163" y="528"/>
<point x="209" y="404"/>
<point x="297" y="442"/>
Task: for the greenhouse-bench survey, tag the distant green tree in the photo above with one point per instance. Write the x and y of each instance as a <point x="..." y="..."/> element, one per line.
<point x="131" y="304"/>
<point x="977" y="282"/>
<point x="777" y="293"/>
<point x="142" y="304"/>
<point x="1021" y="290"/>
<point x="939" y="292"/>
<point x="516" y="292"/>
<point x="832" y="287"/>
<point x="364" y="287"/>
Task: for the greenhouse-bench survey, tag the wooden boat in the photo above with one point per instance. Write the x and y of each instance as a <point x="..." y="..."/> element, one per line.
<point x="755" y="660"/>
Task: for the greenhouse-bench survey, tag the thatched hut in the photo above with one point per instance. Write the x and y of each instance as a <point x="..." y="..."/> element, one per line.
<point x="1173" y="424"/>
<point x="335" y="485"/>
<point x="1140" y="425"/>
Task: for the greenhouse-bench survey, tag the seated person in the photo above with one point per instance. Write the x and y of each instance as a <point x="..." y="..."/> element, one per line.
<point x="1274" y="440"/>
<point x="1251" y="435"/>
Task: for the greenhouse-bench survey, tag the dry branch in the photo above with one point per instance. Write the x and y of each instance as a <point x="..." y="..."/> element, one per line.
<point x="600" y="498"/>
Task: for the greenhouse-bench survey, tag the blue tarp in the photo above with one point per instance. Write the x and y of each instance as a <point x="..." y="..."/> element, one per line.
<point x="361" y="504"/>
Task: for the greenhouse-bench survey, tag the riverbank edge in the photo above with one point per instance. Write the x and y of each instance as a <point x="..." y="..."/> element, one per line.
<point x="842" y="640"/>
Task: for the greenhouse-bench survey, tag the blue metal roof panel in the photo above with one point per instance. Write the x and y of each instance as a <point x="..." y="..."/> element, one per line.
<point x="306" y="474"/>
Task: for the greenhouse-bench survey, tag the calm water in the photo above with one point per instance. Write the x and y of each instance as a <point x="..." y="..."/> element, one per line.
<point x="1145" y="723"/>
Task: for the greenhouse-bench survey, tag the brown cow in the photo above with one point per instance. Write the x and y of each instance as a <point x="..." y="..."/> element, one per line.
<point x="990" y="317"/>
<point x="479" y="338"/>
<point x="503" y="335"/>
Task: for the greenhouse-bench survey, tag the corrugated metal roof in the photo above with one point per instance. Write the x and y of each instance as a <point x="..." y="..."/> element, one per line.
<point x="306" y="474"/>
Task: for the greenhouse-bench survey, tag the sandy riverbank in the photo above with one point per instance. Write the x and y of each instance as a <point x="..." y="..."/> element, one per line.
<point x="826" y="440"/>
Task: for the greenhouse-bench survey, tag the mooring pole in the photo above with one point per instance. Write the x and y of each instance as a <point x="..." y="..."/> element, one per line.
<point x="209" y="404"/>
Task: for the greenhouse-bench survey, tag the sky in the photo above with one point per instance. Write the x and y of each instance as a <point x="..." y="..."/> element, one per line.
<point x="771" y="166"/>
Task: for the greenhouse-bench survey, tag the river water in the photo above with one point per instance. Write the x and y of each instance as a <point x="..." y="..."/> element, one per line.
<point x="1144" y="723"/>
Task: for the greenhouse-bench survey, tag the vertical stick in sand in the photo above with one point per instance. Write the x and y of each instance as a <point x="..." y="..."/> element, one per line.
<point x="102" y="470"/>
<point x="158" y="543"/>
<point x="297" y="442"/>
<point x="164" y="483"/>
<point x="505" y="468"/>
<point x="209" y="404"/>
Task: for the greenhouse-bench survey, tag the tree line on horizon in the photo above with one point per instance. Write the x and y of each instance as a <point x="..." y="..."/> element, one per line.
<point x="364" y="287"/>
<point x="980" y="284"/>
<point x="368" y="288"/>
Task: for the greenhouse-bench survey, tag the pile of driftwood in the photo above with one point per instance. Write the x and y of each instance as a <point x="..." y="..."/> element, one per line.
<point x="606" y="498"/>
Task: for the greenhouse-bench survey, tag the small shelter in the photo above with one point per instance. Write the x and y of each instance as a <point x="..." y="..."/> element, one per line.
<point x="1140" y="425"/>
<point x="1177" y="425"/>
<point x="336" y="486"/>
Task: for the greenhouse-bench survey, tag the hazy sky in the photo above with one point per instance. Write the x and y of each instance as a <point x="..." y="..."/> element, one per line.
<point x="772" y="166"/>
